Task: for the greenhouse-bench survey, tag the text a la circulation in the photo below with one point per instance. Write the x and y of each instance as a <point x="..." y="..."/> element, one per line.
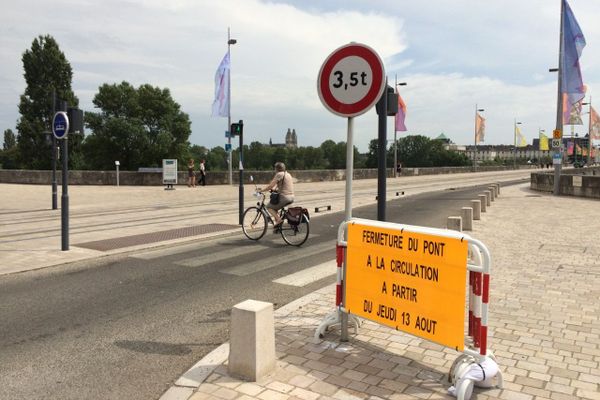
<point x="409" y="268"/>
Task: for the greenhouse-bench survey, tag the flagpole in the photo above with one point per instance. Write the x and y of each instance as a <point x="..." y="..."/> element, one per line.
<point x="395" y="142"/>
<point x="229" y="106"/>
<point x="475" y="153"/>
<point x="515" y="147"/>
<point x="590" y="135"/>
<point x="559" y="103"/>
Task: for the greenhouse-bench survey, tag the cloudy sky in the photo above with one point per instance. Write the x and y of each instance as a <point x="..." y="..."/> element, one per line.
<point x="453" y="55"/>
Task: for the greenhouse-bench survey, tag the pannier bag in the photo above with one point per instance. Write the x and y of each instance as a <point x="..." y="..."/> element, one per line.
<point x="294" y="215"/>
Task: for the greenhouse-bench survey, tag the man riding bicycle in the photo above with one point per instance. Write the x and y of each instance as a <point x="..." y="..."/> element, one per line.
<point x="283" y="183"/>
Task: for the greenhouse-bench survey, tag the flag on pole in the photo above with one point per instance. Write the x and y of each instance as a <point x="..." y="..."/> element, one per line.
<point x="594" y="124"/>
<point x="544" y="142"/>
<point x="400" y="115"/>
<point x="220" y="106"/>
<point x="572" y="45"/>
<point x="521" y="141"/>
<point x="479" y="128"/>
<point x="574" y="111"/>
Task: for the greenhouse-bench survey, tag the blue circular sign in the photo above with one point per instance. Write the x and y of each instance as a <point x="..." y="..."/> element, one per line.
<point x="60" y="125"/>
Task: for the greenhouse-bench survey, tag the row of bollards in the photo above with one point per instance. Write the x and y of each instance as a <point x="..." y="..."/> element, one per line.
<point x="478" y="206"/>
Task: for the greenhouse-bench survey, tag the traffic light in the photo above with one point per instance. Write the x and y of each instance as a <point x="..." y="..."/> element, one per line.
<point x="237" y="128"/>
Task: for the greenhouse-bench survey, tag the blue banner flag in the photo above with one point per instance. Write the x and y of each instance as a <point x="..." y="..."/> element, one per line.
<point x="572" y="87"/>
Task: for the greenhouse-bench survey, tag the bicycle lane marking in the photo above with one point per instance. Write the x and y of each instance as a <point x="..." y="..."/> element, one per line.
<point x="275" y="260"/>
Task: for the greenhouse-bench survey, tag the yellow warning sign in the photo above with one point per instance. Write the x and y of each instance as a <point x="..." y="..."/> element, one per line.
<point x="556" y="134"/>
<point x="409" y="281"/>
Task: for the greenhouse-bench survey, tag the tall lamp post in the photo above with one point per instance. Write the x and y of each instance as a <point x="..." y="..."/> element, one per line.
<point x="230" y="41"/>
<point x="475" y="152"/>
<point x="515" y="149"/>
<point x="395" y="141"/>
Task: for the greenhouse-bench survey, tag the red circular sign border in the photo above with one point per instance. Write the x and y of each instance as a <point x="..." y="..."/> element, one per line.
<point x="377" y="87"/>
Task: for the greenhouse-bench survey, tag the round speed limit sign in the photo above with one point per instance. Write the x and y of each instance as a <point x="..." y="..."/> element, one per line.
<point x="351" y="80"/>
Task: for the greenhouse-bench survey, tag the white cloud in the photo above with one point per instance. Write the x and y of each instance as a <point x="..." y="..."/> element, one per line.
<point x="494" y="53"/>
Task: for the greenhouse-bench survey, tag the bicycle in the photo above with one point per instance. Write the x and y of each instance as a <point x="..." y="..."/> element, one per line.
<point x="294" y="228"/>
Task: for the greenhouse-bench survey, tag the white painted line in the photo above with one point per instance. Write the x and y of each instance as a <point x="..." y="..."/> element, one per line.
<point x="226" y="254"/>
<point x="309" y="275"/>
<point x="284" y="257"/>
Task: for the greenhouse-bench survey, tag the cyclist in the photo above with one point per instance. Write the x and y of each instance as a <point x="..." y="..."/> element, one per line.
<point x="283" y="183"/>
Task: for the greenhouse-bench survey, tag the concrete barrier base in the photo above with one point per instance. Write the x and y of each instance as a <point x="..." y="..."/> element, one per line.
<point x="467" y="218"/>
<point x="252" y="342"/>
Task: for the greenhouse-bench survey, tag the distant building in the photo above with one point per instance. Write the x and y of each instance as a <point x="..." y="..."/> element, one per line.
<point x="291" y="140"/>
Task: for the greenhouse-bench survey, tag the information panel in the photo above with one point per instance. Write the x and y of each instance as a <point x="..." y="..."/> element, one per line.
<point x="409" y="281"/>
<point x="169" y="172"/>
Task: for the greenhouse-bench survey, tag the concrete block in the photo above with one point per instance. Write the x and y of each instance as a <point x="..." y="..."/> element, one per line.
<point x="488" y="198"/>
<point x="498" y="185"/>
<point x="492" y="190"/>
<point x="476" y="207"/>
<point x="483" y="200"/>
<point x="252" y="341"/>
<point x="467" y="218"/>
<point x="454" y="223"/>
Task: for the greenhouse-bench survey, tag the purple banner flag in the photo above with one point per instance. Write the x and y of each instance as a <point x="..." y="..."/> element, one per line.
<point x="573" y="43"/>
<point x="220" y="107"/>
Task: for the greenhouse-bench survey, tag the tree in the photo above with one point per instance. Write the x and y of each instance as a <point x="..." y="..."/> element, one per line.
<point x="8" y="155"/>
<point x="372" y="156"/>
<point x="10" y="140"/>
<point x="139" y="127"/>
<point x="46" y="70"/>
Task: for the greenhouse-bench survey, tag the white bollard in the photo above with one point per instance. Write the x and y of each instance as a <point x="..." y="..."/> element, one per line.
<point x="252" y="341"/>
<point x="476" y="206"/>
<point x="454" y="223"/>
<point x="467" y="218"/>
<point x="488" y="197"/>
<point x="492" y="190"/>
<point x="483" y="200"/>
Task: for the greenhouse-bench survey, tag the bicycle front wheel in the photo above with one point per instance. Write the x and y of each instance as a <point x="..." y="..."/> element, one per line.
<point x="254" y="223"/>
<point x="295" y="235"/>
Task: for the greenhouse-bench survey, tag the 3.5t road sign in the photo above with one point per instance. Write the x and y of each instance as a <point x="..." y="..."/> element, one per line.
<point x="351" y="80"/>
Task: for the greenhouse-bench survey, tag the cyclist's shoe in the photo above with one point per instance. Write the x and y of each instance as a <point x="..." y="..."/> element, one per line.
<point x="277" y="227"/>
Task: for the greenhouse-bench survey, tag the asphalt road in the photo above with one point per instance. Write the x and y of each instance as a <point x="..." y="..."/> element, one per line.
<point x="126" y="327"/>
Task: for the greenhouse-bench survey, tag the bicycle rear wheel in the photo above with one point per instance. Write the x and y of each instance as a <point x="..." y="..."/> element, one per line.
<point x="295" y="235"/>
<point x="254" y="223"/>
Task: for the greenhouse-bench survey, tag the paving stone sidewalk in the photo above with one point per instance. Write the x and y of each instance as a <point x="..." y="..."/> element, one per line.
<point x="544" y="323"/>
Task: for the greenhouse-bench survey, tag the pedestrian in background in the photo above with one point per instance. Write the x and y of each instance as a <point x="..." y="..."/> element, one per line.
<point x="202" y="173"/>
<point x="191" y="174"/>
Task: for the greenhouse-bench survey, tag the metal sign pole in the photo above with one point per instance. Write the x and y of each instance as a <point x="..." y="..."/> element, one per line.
<point x="64" y="205"/>
<point x="348" y="210"/>
<point x="54" y="150"/>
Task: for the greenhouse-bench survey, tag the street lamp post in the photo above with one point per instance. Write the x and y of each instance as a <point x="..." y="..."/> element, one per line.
<point x="515" y="149"/>
<point x="230" y="41"/>
<point x="395" y="141"/>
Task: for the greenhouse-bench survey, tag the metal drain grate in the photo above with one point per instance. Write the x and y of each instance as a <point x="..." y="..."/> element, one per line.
<point x="153" y="237"/>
